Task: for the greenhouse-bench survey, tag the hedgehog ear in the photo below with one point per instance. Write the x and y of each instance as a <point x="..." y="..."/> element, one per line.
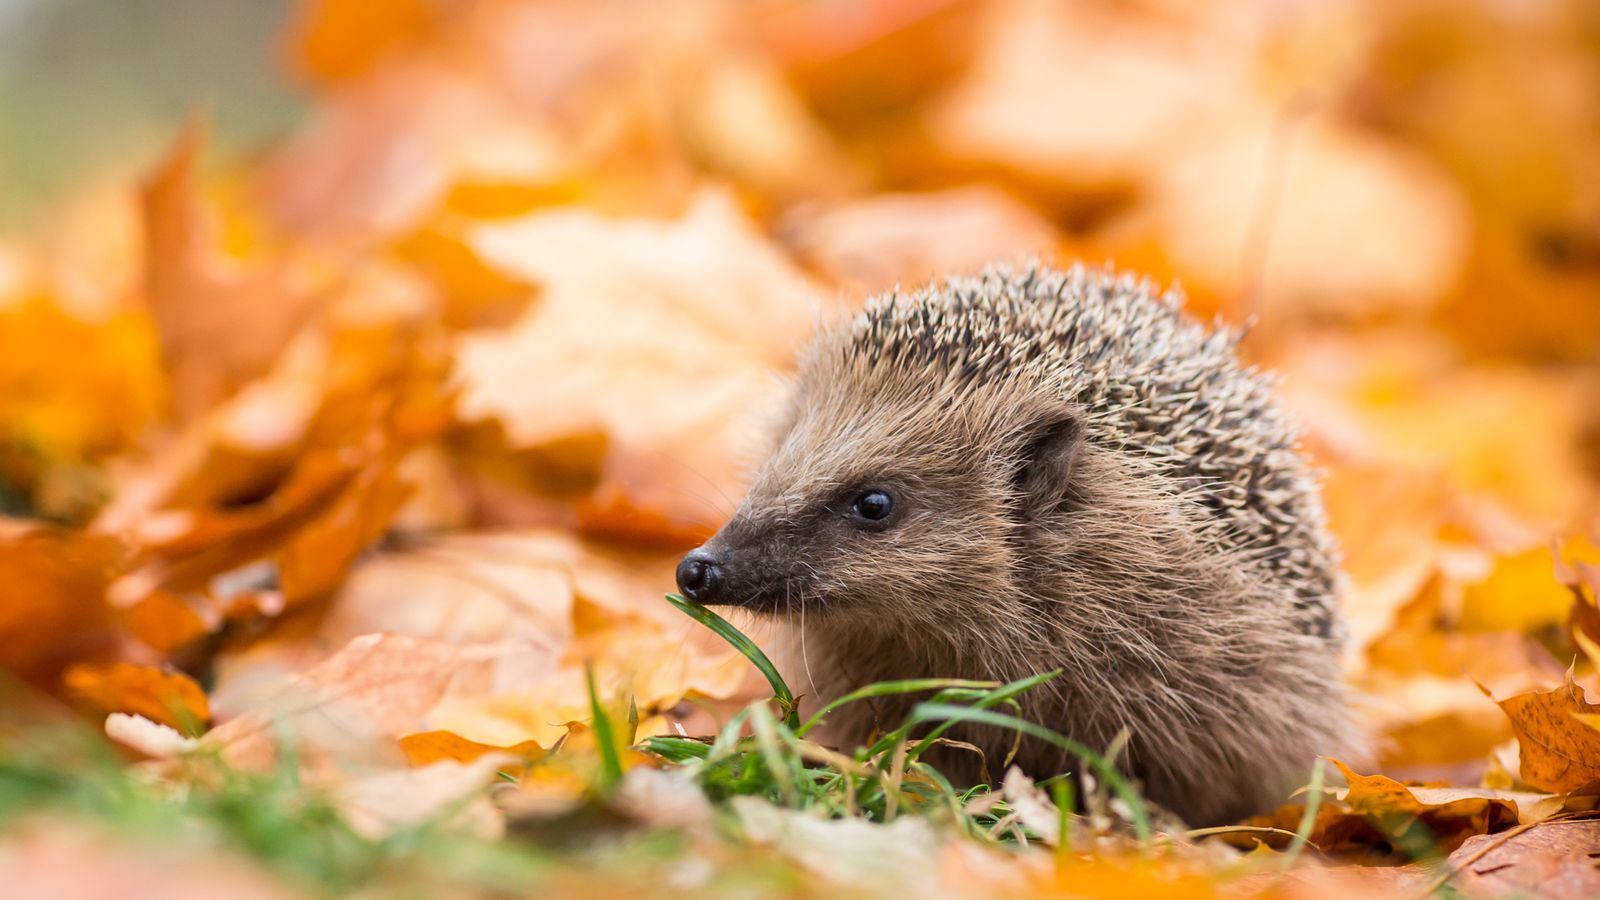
<point x="1049" y="457"/>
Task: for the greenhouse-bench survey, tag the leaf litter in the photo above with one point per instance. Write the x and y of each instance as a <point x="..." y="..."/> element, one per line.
<point x="342" y="484"/>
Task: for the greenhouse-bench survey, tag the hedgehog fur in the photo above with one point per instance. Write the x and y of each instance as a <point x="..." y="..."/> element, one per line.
<point x="1036" y="470"/>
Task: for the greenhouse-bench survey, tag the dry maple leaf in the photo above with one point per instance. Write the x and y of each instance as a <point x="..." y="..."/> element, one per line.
<point x="664" y="334"/>
<point x="1379" y="813"/>
<point x="1356" y="226"/>
<point x="1092" y="97"/>
<point x="1559" y="752"/>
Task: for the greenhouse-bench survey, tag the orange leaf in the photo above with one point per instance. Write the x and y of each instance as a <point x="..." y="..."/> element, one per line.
<point x="1559" y="752"/>
<point x="52" y="597"/>
<point x="427" y="747"/>
<point x="166" y="622"/>
<point x="219" y="326"/>
<point x="160" y="695"/>
<point x="338" y="39"/>
<point x="1378" y="813"/>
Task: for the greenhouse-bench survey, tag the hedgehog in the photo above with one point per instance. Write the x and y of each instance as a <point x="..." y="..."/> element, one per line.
<point x="1035" y="470"/>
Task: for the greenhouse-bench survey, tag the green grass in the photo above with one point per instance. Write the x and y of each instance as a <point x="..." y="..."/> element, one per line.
<point x="764" y="750"/>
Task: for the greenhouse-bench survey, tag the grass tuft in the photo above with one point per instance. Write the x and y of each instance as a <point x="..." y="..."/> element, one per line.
<point x="757" y="753"/>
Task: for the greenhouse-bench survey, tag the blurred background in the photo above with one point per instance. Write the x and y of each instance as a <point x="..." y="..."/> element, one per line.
<point x="90" y="88"/>
<point x="290" y="289"/>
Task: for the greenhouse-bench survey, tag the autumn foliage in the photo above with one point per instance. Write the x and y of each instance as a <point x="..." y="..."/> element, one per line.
<point x="382" y="442"/>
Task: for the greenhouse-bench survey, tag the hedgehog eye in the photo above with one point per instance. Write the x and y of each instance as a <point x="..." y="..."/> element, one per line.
<point x="873" y="506"/>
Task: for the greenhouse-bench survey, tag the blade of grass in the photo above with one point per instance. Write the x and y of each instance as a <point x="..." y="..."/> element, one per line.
<point x="765" y="729"/>
<point x="939" y="712"/>
<point x="604" y="736"/>
<point x="748" y="649"/>
<point x="890" y="688"/>
<point x="1308" y="821"/>
<point x="1062" y="793"/>
<point x="1003" y="694"/>
<point x="677" y="749"/>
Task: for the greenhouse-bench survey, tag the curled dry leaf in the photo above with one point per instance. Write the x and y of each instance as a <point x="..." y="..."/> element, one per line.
<point x="1379" y="813"/>
<point x="150" y="738"/>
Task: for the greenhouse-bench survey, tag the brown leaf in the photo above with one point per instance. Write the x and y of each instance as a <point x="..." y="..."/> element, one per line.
<point x="575" y="600"/>
<point x="1556" y="859"/>
<point x="1559" y="752"/>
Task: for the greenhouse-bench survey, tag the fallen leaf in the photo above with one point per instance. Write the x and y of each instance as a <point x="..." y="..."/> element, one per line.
<point x="1522" y="593"/>
<point x="427" y="747"/>
<point x="664" y="334"/>
<point x="150" y="738"/>
<point x="220" y="324"/>
<point x="380" y="803"/>
<point x="335" y="40"/>
<point x="1555" y="859"/>
<point x="64" y="412"/>
<point x="52" y="858"/>
<point x="54" y="584"/>
<point x="1559" y="752"/>
<point x="1376" y="814"/>
<point x="354" y="705"/>
<point x="160" y="695"/>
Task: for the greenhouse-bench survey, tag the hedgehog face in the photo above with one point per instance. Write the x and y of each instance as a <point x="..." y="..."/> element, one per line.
<point x="887" y="515"/>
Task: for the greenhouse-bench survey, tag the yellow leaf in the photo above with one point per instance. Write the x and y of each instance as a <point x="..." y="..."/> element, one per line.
<point x="1522" y="593"/>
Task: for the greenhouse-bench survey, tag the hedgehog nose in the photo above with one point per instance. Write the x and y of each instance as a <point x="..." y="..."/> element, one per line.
<point x="700" y="577"/>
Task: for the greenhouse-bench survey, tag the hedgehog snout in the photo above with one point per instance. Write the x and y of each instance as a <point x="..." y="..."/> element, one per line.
<point x="700" y="577"/>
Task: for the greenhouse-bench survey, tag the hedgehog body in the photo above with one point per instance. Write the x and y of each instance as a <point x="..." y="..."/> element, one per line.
<point x="1038" y="470"/>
